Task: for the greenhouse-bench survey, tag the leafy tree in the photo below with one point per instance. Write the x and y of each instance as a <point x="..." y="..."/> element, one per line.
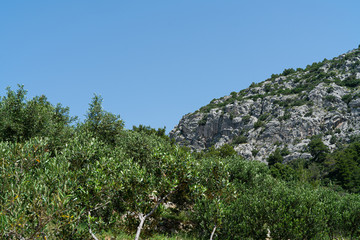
<point x="333" y="203"/>
<point x="22" y="119"/>
<point x="318" y="150"/>
<point x="295" y="213"/>
<point x="347" y="167"/>
<point x="44" y="194"/>
<point x="275" y="157"/>
<point x="139" y="146"/>
<point x="351" y="216"/>
<point x="101" y="123"/>
<point x="12" y="111"/>
<point x="283" y="171"/>
<point x="245" y="216"/>
<point x="64" y="182"/>
<point x="212" y="192"/>
<point x="153" y="178"/>
<point x="150" y="131"/>
<point x="288" y="71"/>
<point x="224" y="151"/>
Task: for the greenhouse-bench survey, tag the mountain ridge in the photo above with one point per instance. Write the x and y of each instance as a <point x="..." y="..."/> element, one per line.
<point x="284" y="111"/>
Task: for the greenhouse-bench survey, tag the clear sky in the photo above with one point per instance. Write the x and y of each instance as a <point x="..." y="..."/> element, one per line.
<point x="155" y="61"/>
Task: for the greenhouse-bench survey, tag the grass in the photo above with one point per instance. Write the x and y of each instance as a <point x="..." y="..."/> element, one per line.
<point x="124" y="236"/>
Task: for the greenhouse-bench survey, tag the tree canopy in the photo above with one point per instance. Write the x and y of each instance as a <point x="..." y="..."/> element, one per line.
<point x="65" y="181"/>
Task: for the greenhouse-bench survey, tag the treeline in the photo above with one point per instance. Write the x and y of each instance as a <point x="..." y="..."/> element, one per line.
<point x="62" y="179"/>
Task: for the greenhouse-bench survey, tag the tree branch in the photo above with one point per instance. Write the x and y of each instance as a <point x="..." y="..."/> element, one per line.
<point x="159" y="202"/>
<point x="92" y="234"/>
<point x="213" y="232"/>
<point x="143" y="218"/>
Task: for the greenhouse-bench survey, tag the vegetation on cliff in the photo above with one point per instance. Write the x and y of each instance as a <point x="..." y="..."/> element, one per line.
<point x="286" y="110"/>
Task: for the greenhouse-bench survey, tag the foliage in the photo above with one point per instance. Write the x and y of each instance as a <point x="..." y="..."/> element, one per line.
<point x="347" y="98"/>
<point x="288" y="71"/>
<point x="330" y="98"/>
<point x="298" y="210"/>
<point x="203" y="121"/>
<point x="318" y="150"/>
<point x="351" y="82"/>
<point x="264" y="116"/>
<point x="212" y="192"/>
<point x="22" y="119"/>
<point x="275" y="157"/>
<point x="246" y="119"/>
<point x="160" y="132"/>
<point x="225" y="150"/>
<point x="101" y="123"/>
<point x="283" y="171"/>
<point x="98" y="176"/>
<point x="346" y="171"/>
<point x="239" y="139"/>
<point x="259" y="124"/>
<point x="309" y="113"/>
<point x="254" y="152"/>
<point x="286" y="116"/>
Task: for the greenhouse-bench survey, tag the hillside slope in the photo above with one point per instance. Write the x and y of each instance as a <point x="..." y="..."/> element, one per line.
<point x="283" y="111"/>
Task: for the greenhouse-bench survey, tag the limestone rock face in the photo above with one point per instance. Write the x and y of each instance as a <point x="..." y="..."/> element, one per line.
<point x="282" y="111"/>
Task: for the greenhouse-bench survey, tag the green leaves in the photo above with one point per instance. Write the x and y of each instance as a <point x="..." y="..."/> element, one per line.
<point x="22" y="119"/>
<point x="101" y="123"/>
<point x="57" y="180"/>
<point x="318" y="150"/>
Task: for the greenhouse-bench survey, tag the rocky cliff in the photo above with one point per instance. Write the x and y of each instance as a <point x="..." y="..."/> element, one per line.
<point x="283" y="111"/>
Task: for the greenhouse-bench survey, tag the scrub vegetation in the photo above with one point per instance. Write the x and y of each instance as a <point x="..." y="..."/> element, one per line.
<point x="64" y="179"/>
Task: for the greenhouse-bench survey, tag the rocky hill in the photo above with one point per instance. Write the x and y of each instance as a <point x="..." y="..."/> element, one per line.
<point x="283" y="111"/>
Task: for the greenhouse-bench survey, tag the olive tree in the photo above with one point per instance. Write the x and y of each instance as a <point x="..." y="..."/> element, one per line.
<point x="154" y="172"/>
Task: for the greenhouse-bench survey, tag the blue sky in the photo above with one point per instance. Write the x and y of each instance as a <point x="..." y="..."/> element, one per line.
<point x="155" y="61"/>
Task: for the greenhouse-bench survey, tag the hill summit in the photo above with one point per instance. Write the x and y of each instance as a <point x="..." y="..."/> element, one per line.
<point x="284" y="111"/>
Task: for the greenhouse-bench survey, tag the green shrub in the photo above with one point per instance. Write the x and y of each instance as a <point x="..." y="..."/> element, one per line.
<point x="203" y="121"/>
<point x="330" y="98"/>
<point x="102" y="124"/>
<point x="285" y="151"/>
<point x="259" y="124"/>
<point x="286" y="116"/>
<point x="351" y="82"/>
<point x="318" y="149"/>
<point x="330" y="90"/>
<point x="347" y="98"/>
<point x="309" y="113"/>
<point x="254" y="152"/>
<point x="275" y="157"/>
<point x="267" y="88"/>
<point x="333" y="139"/>
<point x="288" y="71"/>
<point x="239" y="139"/>
<point x="282" y="171"/>
<point x="246" y="119"/>
<point x="22" y="119"/>
<point x="256" y="97"/>
<point x="264" y="116"/>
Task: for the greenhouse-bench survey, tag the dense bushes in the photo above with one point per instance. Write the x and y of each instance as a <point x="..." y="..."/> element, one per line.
<point x="242" y="201"/>
<point x="22" y="119"/>
<point x="101" y="177"/>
